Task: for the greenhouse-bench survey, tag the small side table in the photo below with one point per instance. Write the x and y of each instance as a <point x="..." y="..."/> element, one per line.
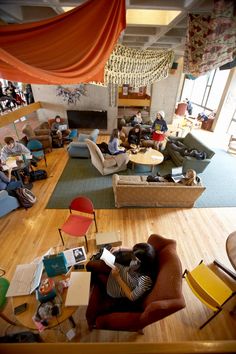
<point x="112" y="237"/>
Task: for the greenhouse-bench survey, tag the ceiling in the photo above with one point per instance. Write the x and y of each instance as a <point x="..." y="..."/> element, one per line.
<point x="171" y="36"/>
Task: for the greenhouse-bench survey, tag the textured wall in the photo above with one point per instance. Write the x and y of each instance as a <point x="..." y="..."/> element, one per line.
<point x="165" y="94"/>
<point x="97" y="98"/>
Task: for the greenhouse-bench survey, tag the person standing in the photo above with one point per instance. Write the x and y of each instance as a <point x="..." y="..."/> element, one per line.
<point x="159" y="127"/>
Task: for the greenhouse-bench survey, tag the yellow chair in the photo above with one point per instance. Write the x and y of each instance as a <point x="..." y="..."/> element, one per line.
<point x="209" y="288"/>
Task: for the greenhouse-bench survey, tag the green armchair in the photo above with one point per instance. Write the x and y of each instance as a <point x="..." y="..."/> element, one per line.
<point x="188" y="162"/>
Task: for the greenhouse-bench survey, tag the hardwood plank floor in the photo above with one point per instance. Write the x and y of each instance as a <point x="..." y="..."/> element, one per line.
<point x="200" y="234"/>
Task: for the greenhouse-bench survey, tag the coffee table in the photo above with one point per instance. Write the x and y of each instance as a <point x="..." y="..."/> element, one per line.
<point x="147" y="157"/>
<point x="25" y="318"/>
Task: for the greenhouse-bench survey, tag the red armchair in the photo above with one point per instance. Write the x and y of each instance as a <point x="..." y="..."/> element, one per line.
<point x="165" y="298"/>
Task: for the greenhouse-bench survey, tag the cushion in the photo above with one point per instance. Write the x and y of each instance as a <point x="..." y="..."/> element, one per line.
<point x="129" y="180"/>
<point x="109" y="162"/>
<point x="82" y="137"/>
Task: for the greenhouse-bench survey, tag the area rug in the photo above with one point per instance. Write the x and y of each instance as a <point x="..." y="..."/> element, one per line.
<point x="81" y="178"/>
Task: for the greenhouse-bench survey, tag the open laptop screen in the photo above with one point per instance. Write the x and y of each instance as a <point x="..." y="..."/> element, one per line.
<point x="177" y="173"/>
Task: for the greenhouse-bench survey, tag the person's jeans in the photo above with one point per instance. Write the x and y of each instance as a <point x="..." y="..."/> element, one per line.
<point x="12" y="185"/>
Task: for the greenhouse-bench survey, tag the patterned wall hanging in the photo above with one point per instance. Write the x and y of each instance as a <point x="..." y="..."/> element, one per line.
<point x="137" y="67"/>
<point x="113" y="94"/>
<point x="211" y="40"/>
<point x="71" y="96"/>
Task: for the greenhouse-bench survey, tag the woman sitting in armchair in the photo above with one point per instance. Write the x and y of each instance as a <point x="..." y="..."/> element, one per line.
<point x="129" y="283"/>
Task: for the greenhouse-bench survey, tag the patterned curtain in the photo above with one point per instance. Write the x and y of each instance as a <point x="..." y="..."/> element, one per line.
<point x="137" y="67"/>
<point x="211" y="40"/>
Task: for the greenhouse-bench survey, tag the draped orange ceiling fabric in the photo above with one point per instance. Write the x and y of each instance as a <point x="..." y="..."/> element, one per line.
<point x="68" y="49"/>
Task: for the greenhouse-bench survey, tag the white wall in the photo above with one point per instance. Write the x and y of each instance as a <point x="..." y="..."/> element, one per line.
<point x="97" y="98"/>
<point x="165" y="94"/>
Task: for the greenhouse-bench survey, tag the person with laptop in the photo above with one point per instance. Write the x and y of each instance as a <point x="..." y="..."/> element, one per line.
<point x="59" y="128"/>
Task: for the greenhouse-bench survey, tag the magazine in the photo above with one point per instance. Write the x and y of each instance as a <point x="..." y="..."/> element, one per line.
<point x="75" y="256"/>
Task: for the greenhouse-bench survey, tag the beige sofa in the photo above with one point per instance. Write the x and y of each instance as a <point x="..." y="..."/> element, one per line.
<point x="136" y="191"/>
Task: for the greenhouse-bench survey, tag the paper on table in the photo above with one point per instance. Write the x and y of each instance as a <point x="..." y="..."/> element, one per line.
<point x="156" y="157"/>
<point x="108" y="258"/>
<point x="11" y="162"/>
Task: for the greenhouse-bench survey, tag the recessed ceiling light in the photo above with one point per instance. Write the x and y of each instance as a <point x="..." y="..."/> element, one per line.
<point x="150" y="17"/>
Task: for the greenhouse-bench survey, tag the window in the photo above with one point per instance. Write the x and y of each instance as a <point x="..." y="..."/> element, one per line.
<point x="232" y="125"/>
<point x="205" y="92"/>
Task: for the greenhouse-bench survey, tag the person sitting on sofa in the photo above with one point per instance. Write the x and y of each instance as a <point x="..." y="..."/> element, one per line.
<point x="55" y="128"/>
<point x="134" y="136"/>
<point x="124" y="282"/>
<point x="159" y="127"/>
<point x="136" y="119"/>
<point x="113" y="145"/>
<point x="190" y="178"/>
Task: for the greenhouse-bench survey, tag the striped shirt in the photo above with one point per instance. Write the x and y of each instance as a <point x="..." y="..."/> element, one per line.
<point x="137" y="283"/>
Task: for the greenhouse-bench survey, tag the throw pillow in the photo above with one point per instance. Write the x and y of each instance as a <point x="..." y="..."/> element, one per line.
<point x="82" y="137"/>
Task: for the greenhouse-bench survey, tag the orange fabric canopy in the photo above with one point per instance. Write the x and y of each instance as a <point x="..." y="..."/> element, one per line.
<point x="68" y="49"/>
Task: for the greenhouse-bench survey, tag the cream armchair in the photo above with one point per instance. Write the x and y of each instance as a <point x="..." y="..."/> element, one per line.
<point x="106" y="164"/>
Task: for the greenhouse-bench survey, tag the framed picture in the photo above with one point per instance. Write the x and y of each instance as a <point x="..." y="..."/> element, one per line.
<point x="125" y="90"/>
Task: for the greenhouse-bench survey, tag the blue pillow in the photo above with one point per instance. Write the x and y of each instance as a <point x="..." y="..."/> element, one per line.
<point x="82" y="137"/>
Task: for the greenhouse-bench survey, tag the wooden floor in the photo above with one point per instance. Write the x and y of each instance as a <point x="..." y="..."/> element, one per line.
<point x="200" y="234"/>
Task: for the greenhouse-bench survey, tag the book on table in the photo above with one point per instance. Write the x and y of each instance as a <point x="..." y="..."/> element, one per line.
<point x="75" y="256"/>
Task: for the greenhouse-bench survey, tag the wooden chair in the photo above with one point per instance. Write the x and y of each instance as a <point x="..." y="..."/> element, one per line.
<point x="208" y="288"/>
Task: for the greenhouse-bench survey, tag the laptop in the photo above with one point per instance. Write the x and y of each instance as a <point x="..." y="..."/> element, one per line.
<point x="26" y="279"/>
<point x="177" y="174"/>
<point x="62" y="127"/>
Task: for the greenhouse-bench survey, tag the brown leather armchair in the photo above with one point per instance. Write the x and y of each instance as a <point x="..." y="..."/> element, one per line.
<point x="164" y="299"/>
<point x="43" y="135"/>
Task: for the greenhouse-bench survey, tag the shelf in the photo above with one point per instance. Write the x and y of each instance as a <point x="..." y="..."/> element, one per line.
<point x="129" y="102"/>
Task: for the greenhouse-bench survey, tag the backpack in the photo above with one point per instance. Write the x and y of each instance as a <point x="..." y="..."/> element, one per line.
<point x="37" y="175"/>
<point x="25" y="197"/>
